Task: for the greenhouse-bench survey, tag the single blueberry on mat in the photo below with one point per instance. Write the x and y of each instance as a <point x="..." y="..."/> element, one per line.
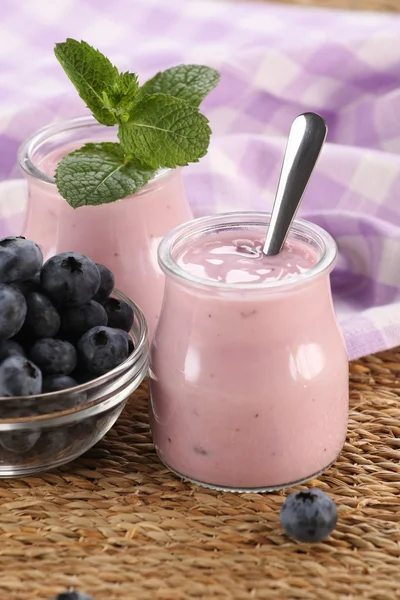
<point x="56" y="383"/>
<point x="42" y="318"/>
<point x="107" y="283"/>
<point x="101" y="349"/>
<point x="20" y="259"/>
<point x="12" y="311"/>
<point x="76" y="321"/>
<point x="19" y="377"/>
<point x="72" y="596"/>
<point x="70" y="278"/>
<point x="119" y="313"/>
<point x="309" y="516"/>
<point x="53" y="357"/>
<point x="10" y="348"/>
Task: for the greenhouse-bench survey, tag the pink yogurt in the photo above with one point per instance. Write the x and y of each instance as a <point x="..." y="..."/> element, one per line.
<point x="123" y="235"/>
<point x="249" y="372"/>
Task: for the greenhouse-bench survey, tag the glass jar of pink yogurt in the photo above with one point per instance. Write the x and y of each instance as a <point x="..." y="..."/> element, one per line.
<point x="122" y="235"/>
<point x="249" y="371"/>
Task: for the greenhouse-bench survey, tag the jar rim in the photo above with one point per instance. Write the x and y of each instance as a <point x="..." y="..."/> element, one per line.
<point x="34" y="142"/>
<point x="207" y="224"/>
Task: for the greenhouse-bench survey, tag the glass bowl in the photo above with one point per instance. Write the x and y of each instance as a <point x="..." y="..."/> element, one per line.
<point x="38" y="433"/>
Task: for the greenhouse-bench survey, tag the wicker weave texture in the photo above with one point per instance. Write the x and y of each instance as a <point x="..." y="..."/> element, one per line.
<point x="117" y="524"/>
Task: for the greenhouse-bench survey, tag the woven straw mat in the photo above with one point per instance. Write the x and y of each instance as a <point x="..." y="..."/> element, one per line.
<point x="377" y="5"/>
<point x="118" y="525"/>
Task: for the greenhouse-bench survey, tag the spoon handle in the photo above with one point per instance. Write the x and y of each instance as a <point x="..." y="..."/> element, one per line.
<point x="306" y="138"/>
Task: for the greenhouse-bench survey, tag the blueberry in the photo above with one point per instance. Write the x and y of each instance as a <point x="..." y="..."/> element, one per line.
<point x="10" y="348"/>
<point x="19" y="441"/>
<point x="12" y="311"/>
<point x="70" y="278"/>
<point x="61" y="399"/>
<point x="107" y="283"/>
<point x="42" y="319"/>
<point x="35" y="280"/>
<point x="53" y="357"/>
<point x="53" y="444"/>
<point x="24" y="338"/>
<point x="55" y="383"/>
<point x="20" y="259"/>
<point x="82" y="376"/>
<point x="19" y="377"/>
<point x="309" y="516"/>
<point x="18" y="408"/>
<point x="101" y="349"/>
<point x="72" y="596"/>
<point x="131" y="345"/>
<point x="76" y="321"/>
<point x="119" y="313"/>
<point x="29" y="285"/>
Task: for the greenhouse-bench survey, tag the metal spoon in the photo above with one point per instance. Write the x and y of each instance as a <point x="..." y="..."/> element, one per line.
<point x="306" y="138"/>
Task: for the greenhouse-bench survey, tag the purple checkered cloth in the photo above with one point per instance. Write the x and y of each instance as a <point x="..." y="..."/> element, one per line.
<point x="276" y="62"/>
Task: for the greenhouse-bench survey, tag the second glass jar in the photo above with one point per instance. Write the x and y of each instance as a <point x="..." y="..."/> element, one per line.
<point x="123" y="235"/>
<point x="249" y="381"/>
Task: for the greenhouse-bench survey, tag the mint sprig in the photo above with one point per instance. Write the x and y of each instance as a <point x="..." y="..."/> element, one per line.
<point x="159" y="124"/>
<point x="99" y="174"/>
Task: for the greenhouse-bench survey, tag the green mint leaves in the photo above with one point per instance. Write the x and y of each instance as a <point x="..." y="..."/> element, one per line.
<point x="99" y="174"/>
<point x="188" y="82"/>
<point x="124" y="94"/>
<point x="165" y="131"/>
<point x="159" y="124"/>
<point x="92" y="74"/>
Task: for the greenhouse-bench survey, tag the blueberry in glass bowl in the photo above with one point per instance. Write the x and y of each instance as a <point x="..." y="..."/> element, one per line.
<point x="65" y="372"/>
<point x="41" y="432"/>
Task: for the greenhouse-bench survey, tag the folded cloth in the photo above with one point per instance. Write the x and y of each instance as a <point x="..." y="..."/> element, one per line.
<point x="276" y="62"/>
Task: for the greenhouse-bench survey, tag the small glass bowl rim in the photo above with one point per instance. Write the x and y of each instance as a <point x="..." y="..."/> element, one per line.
<point x="140" y="347"/>
<point x="203" y="225"/>
<point x="34" y="142"/>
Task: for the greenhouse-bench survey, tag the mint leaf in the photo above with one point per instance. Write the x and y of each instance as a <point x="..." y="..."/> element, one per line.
<point x="92" y="74"/>
<point x="188" y="82"/>
<point x="165" y="132"/>
<point x="99" y="174"/>
<point x="123" y="95"/>
<point x="109" y="94"/>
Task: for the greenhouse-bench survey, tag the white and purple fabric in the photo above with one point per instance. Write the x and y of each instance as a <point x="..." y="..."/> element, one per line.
<point x="276" y="62"/>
